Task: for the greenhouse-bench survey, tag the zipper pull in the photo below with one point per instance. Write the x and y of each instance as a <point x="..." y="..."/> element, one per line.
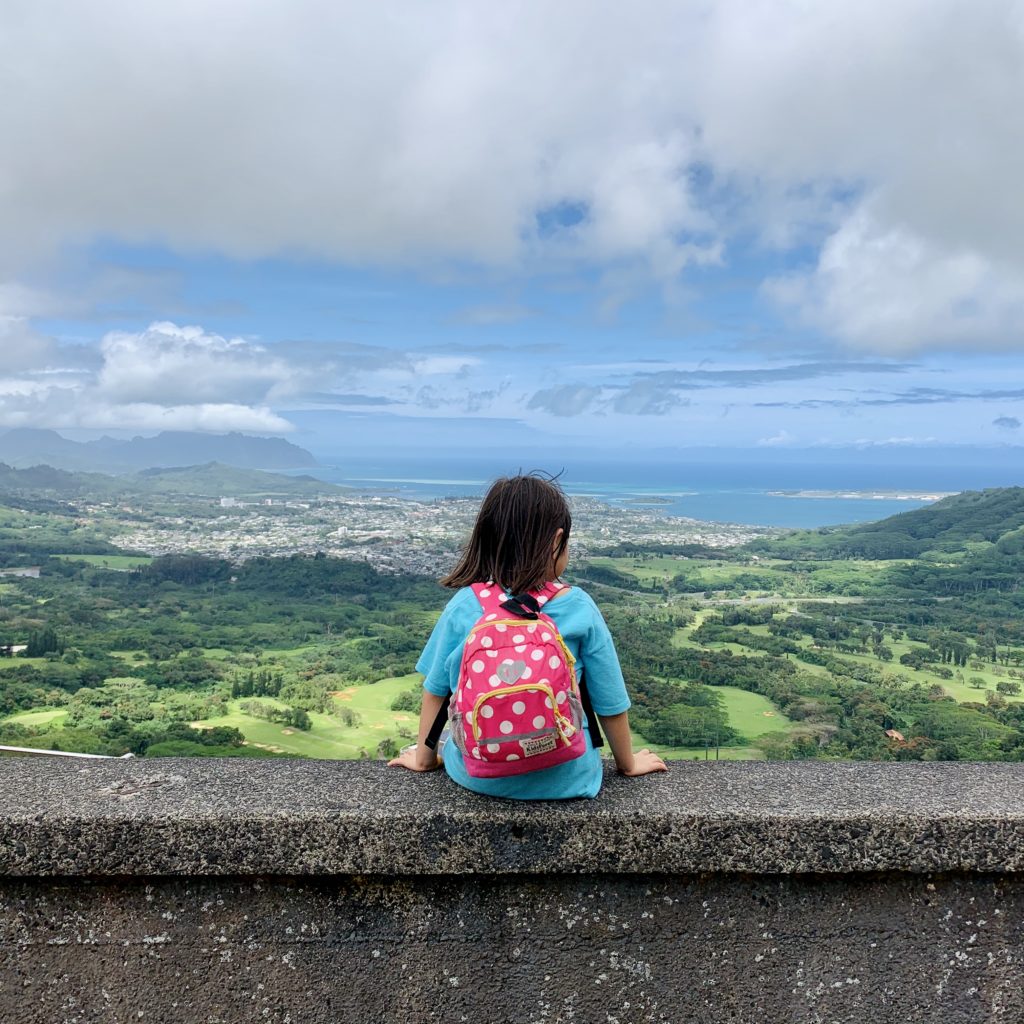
<point x="565" y="727"/>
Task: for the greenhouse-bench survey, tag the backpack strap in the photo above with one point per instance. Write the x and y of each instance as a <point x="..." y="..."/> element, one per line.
<point x="494" y="600"/>
<point x="490" y="596"/>
<point x="596" y="739"/>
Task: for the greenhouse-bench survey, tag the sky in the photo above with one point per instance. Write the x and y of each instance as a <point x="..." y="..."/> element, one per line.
<point x="585" y="226"/>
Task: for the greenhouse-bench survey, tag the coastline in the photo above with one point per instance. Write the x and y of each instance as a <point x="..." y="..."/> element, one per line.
<point x="725" y="501"/>
<point x="866" y="495"/>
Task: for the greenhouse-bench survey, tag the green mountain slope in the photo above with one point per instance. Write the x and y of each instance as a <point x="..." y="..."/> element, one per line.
<point x="961" y="524"/>
<point x="215" y="479"/>
<point x="44" y="483"/>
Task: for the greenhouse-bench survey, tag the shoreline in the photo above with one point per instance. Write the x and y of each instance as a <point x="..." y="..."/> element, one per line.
<point x="865" y="495"/>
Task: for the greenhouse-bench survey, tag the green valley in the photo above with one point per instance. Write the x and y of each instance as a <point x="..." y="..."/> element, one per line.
<point x="902" y="639"/>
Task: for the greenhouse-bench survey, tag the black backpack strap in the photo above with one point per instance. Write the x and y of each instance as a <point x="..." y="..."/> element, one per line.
<point x="596" y="739"/>
<point x="439" y="723"/>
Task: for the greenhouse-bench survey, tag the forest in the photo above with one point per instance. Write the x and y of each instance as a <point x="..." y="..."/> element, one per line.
<point x="898" y="640"/>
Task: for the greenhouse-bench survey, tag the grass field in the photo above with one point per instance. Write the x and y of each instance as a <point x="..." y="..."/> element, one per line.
<point x="330" y="737"/>
<point x="121" y="562"/>
<point x="47" y="716"/>
<point x="817" y="579"/>
<point x="751" y="714"/>
<point x="7" y="663"/>
<point x="690" y="753"/>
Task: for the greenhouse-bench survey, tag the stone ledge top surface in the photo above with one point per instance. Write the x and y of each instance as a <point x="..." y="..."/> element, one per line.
<point x="243" y="817"/>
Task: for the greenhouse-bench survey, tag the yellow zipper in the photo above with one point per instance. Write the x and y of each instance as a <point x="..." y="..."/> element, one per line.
<point x="519" y="688"/>
<point x="570" y="660"/>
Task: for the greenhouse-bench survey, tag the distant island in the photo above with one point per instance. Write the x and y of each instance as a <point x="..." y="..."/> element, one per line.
<point x="647" y="499"/>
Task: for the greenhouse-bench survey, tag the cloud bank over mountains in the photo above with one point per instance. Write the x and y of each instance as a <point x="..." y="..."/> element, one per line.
<point x="855" y="165"/>
<point x="171" y="377"/>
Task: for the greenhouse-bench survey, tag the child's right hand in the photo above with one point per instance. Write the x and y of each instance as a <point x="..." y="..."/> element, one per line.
<point x="416" y="759"/>
<point x="644" y="763"/>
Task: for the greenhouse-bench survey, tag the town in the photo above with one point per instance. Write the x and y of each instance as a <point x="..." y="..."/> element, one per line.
<point x="394" y="535"/>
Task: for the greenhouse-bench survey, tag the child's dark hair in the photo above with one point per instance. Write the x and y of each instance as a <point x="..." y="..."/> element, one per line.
<point x="512" y="539"/>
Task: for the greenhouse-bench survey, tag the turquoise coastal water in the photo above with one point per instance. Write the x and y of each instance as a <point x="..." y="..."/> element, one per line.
<point x="798" y="489"/>
<point x="703" y="499"/>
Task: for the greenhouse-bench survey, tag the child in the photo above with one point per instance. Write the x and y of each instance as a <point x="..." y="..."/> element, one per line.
<point x="520" y="542"/>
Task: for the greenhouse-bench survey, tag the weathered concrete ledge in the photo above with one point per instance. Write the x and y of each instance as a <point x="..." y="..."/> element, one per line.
<point x="234" y="891"/>
<point x="228" y="817"/>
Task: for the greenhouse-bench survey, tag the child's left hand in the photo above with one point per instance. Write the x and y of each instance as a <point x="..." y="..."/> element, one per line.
<point x="415" y="759"/>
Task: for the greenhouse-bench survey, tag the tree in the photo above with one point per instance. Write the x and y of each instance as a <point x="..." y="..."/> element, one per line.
<point x="43" y="642"/>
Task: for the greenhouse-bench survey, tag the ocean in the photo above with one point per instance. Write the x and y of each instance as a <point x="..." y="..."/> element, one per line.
<point x="762" y="493"/>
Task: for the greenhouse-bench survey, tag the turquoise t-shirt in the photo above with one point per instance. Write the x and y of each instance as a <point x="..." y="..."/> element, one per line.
<point x="587" y="637"/>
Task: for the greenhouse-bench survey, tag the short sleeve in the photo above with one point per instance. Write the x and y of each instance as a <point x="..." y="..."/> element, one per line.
<point x="447" y="635"/>
<point x="602" y="672"/>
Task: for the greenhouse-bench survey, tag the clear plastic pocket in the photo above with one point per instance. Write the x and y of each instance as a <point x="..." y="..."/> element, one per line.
<point x="458" y="731"/>
<point x="576" y="710"/>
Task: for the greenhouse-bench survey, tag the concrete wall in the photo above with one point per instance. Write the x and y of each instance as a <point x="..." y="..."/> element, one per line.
<point x="191" y="891"/>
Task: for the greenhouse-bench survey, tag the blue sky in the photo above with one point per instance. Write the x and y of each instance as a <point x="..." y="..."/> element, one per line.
<point x="590" y="228"/>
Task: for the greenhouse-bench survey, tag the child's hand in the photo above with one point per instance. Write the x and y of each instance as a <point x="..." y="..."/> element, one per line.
<point x="644" y="763"/>
<point x="416" y="759"/>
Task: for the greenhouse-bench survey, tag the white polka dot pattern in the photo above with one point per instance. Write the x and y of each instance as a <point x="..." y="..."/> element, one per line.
<point x="505" y="662"/>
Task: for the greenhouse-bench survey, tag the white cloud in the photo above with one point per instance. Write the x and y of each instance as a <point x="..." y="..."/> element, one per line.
<point x="57" y="411"/>
<point x="435" y="135"/>
<point x="783" y="437"/>
<point x="433" y="366"/>
<point x="164" y="378"/>
<point x="881" y="287"/>
<point x="169" y="365"/>
<point x="566" y="399"/>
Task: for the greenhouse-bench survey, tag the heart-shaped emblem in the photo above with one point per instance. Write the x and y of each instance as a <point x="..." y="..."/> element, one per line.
<point x="511" y="671"/>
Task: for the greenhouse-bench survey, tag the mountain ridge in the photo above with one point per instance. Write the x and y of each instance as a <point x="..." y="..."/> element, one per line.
<point x="958" y="524"/>
<point x="24" y="447"/>
<point x="209" y="480"/>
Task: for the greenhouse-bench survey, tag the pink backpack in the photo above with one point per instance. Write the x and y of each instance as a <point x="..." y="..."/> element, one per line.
<point x="517" y="706"/>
